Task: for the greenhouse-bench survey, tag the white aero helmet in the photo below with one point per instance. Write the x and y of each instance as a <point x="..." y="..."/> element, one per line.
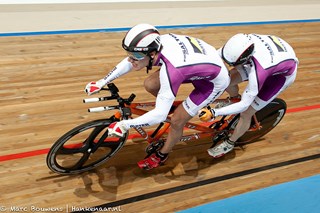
<point x="238" y="49"/>
<point x="140" y="40"/>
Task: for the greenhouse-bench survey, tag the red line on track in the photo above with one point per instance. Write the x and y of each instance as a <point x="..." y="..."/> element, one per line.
<point x="24" y="154"/>
<point x="45" y="151"/>
<point x="317" y="106"/>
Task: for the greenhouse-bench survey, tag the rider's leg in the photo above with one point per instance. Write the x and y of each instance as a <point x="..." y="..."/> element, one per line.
<point x="271" y="88"/>
<point x="152" y="83"/>
<point x="233" y="88"/>
<point x="243" y="124"/>
<point x="189" y="108"/>
<point x="203" y="94"/>
<point x="179" y="118"/>
<point x="228" y="144"/>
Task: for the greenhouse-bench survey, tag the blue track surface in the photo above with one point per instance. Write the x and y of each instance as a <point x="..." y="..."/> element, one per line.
<point x="300" y="196"/>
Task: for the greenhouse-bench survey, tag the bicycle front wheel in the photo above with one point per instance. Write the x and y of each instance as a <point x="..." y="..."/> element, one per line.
<point x="84" y="148"/>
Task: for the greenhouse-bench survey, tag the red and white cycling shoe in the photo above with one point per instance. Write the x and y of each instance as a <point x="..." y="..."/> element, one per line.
<point x="151" y="162"/>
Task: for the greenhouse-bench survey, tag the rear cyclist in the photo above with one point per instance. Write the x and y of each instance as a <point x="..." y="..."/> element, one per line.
<point x="182" y="59"/>
<point x="269" y="64"/>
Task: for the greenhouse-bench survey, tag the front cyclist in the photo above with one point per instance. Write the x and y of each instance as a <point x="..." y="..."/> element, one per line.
<point x="269" y="64"/>
<point x="182" y="59"/>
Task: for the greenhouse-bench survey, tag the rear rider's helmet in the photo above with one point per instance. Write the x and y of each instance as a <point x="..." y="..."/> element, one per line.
<point x="238" y="49"/>
<point x="141" y="40"/>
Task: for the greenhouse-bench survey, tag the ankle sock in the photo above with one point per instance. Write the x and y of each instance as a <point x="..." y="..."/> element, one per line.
<point x="230" y="142"/>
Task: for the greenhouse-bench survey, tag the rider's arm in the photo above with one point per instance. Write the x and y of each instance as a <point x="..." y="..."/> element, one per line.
<point x="164" y="101"/>
<point x="122" y="68"/>
<point x="247" y="97"/>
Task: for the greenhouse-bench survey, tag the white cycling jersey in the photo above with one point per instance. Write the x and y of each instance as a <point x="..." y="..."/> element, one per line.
<point x="183" y="59"/>
<point x="271" y="70"/>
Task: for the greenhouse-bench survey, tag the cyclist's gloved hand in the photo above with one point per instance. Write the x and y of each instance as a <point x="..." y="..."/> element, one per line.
<point x="94" y="87"/>
<point x="117" y="129"/>
<point x="206" y="114"/>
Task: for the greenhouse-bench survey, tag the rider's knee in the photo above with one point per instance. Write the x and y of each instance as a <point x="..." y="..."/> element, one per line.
<point x="152" y="86"/>
<point x="179" y="118"/>
<point x="148" y="85"/>
<point x="176" y="123"/>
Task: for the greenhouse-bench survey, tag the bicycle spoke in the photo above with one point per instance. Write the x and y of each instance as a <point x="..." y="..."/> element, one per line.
<point x="112" y="143"/>
<point x="82" y="161"/>
<point x="95" y="146"/>
<point x="83" y="146"/>
<point x="68" y="151"/>
<point x="93" y="135"/>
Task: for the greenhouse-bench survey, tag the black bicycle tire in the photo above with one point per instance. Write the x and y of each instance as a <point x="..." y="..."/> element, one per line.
<point x="269" y="117"/>
<point x="52" y="154"/>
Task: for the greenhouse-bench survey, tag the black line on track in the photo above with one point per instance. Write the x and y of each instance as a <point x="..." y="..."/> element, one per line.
<point x="199" y="183"/>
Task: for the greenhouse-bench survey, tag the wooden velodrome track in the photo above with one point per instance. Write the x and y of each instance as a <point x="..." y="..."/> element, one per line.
<point x="42" y="81"/>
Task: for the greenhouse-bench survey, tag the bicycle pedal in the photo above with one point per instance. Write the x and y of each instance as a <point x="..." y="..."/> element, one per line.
<point x="219" y="137"/>
<point x="154" y="146"/>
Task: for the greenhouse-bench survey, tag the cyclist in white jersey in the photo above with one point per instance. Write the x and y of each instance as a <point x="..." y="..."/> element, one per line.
<point x="182" y="59"/>
<point x="269" y="64"/>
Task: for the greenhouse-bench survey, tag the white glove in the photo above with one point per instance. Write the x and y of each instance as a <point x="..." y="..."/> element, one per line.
<point x="94" y="87"/>
<point x="117" y="129"/>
